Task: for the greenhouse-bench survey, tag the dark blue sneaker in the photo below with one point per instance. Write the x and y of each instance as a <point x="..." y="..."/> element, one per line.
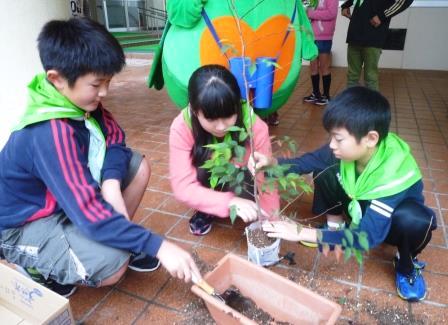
<point x="143" y="263"/>
<point x="419" y="265"/>
<point x="411" y="287"/>
<point x="201" y="223"/>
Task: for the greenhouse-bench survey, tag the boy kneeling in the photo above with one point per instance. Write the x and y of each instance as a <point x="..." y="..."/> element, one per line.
<point x="370" y="174"/>
<point x="68" y="184"/>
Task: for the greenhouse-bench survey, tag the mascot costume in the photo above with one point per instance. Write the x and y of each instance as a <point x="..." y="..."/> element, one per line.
<point x="262" y="42"/>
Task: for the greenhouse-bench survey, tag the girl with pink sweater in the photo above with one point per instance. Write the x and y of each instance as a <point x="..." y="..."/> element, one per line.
<point x="323" y="20"/>
<point x="215" y="105"/>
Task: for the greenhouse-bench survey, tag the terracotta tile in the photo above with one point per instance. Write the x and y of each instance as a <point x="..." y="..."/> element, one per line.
<point x="206" y="258"/>
<point x="222" y="237"/>
<point x="438" y="237"/>
<point x="140" y="215"/>
<point x="377" y="307"/>
<point x="160" y="223"/>
<point x="379" y="275"/>
<point x="430" y="199"/>
<point x="429" y="314"/>
<point x="331" y="268"/>
<point x="152" y="199"/>
<point x="445" y="216"/>
<point x="436" y="259"/>
<point x="175" y="294"/>
<point x="159" y="315"/>
<point x="163" y="185"/>
<point x="144" y="284"/>
<point x="437" y="286"/>
<point x="342" y="294"/>
<point x="85" y="299"/>
<point x="182" y="231"/>
<point x="383" y="252"/>
<point x="173" y="206"/>
<point x="303" y="256"/>
<point x="118" y="308"/>
<point x="443" y="200"/>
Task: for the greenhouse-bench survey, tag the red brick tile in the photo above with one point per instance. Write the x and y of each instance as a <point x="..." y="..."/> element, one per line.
<point x="437" y="286"/>
<point x="438" y="237"/>
<point x="182" y="231"/>
<point x="159" y="315"/>
<point x="152" y="199"/>
<point x="303" y="256"/>
<point x="377" y="307"/>
<point x="86" y="298"/>
<point x="436" y="259"/>
<point x="331" y="268"/>
<point x="175" y="294"/>
<point x="378" y="275"/>
<point x="140" y="215"/>
<point x="383" y="252"/>
<point x="144" y="284"/>
<point x="160" y="223"/>
<point x="206" y="258"/>
<point x="118" y="308"/>
<point x="428" y="314"/>
<point x="223" y="237"/>
<point x="173" y="206"/>
<point x="443" y="200"/>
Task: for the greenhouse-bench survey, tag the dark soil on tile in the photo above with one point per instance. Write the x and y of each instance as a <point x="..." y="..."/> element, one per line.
<point x="196" y="313"/>
<point x="203" y="266"/>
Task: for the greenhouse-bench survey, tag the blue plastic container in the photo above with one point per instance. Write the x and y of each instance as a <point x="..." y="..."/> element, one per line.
<point x="264" y="82"/>
<point x="236" y="67"/>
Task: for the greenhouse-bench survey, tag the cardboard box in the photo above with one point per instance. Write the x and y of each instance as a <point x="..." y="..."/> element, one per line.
<point x="24" y="302"/>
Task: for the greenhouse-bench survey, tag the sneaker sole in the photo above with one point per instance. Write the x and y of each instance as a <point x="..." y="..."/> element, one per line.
<point x="136" y="269"/>
<point x="410" y="300"/>
<point x="309" y="101"/>
<point x="320" y="104"/>
<point x="201" y="234"/>
<point x="308" y="244"/>
<point x="67" y="295"/>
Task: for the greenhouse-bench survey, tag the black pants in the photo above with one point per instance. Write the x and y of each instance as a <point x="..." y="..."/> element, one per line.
<point x="412" y="222"/>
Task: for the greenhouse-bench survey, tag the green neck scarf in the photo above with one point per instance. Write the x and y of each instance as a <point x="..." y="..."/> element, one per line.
<point x="46" y="103"/>
<point x="391" y="170"/>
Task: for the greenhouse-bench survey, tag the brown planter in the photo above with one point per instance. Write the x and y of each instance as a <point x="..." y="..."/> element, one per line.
<point x="281" y="298"/>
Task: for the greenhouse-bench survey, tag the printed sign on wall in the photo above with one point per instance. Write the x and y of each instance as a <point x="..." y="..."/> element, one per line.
<point x="76" y="8"/>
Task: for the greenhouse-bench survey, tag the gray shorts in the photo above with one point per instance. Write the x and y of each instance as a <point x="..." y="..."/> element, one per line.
<point x="58" y="250"/>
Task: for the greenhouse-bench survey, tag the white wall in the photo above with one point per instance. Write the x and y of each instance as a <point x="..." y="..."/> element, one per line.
<point x="426" y="44"/>
<point x="20" y="23"/>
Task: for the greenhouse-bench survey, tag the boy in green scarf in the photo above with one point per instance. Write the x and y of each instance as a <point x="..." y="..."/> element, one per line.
<point x="69" y="185"/>
<point x="369" y="175"/>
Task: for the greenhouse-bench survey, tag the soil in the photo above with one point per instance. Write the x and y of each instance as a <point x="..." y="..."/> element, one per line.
<point x="196" y="313"/>
<point x="247" y="307"/>
<point x="258" y="238"/>
<point x="203" y="266"/>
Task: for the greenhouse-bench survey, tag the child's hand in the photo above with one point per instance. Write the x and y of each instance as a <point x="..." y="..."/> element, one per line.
<point x="178" y="262"/>
<point x="289" y="230"/>
<point x="258" y="160"/>
<point x="246" y="209"/>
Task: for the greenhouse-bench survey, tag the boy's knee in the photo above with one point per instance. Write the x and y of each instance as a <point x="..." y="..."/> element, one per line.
<point x="144" y="170"/>
<point x="114" y="278"/>
<point x="411" y="216"/>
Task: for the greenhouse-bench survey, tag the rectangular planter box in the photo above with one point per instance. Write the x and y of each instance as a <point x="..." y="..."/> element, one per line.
<point x="283" y="299"/>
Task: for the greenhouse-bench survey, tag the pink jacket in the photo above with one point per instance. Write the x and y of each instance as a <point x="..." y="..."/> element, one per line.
<point x="323" y="19"/>
<point x="183" y="176"/>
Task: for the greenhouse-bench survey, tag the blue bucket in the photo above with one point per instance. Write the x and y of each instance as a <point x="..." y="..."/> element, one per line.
<point x="236" y="67"/>
<point x="264" y="82"/>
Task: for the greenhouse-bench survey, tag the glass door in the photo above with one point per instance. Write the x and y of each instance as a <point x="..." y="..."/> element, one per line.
<point x="121" y="15"/>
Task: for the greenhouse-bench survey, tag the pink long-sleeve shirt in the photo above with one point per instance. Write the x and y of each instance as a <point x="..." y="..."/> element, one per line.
<point x="183" y="174"/>
<point x="323" y="19"/>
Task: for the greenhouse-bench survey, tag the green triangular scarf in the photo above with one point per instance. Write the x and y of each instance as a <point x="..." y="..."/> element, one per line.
<point x="391" y="170"/>
<point x="46" y="103"/>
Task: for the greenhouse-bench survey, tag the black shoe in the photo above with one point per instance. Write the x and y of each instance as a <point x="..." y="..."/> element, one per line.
<point x="65" y="290"/>
<point x="273" y="119"/>
<point x="200" y="224"/>
<point x="311" y="98"/>
<point x="322" y="101"/>
<point x="143" y="263"/>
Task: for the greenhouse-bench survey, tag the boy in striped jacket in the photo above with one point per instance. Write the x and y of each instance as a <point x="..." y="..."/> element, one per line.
<point x="69" y="186"/>
<point x="367" y="176"/>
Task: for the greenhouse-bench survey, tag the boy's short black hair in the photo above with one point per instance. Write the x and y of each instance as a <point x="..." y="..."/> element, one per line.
<point x="79" y="46"/>
<point x="359" y="110"/>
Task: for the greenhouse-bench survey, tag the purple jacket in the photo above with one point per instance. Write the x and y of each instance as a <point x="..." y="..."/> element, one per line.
<point x="323" y="19"/>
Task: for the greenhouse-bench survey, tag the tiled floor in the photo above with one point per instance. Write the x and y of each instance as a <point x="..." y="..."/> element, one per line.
<point x="366" y="293"/>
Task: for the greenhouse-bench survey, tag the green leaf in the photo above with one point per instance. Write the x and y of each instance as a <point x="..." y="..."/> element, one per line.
<point x="358" y="256"/>
<point x="347" y="254"/>
<point x="292" y="146"/>
<point x="282" y="182"/>
<point x="240" y="177"/>
<point x="363" y="241"/>
<point x="234" y="128"/>
<point x="213" y="181"/>
<point x="238" y="190"/>
<point x="243" y="136"/>
<point x="233" y="214"/>
<point x="252" y="68"/>
<point x="344" y="242"/>
<point x="348" y="234"/>
<point x="240" y="151"/>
